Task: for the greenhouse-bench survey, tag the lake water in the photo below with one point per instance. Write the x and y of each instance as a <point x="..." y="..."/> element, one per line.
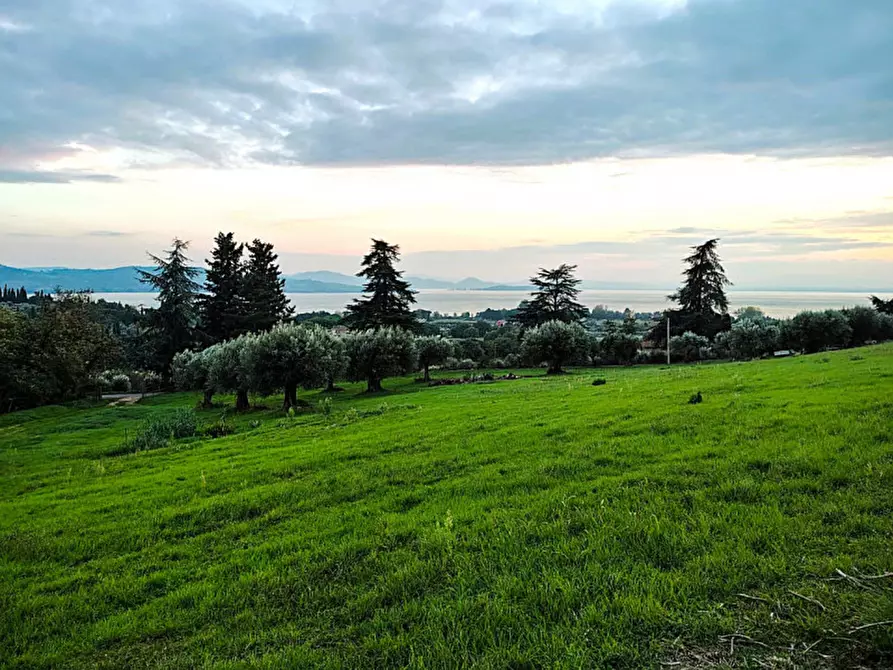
<point x="448" y="301"/>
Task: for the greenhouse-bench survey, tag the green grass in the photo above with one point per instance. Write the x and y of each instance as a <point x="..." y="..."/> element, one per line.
<point x="535" y="523"/>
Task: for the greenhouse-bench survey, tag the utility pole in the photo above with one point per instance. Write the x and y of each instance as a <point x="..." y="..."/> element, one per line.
<point x="668" y="338"/>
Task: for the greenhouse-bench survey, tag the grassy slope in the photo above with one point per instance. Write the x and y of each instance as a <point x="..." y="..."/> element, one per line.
<point x="540" y="522"/>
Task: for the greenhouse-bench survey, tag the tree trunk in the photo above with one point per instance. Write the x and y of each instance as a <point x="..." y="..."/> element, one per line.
<point x="207" y="399"/>
<point x="291" y="397"/>
<point x="330" y="385"/>
<point x="242" y="404"/>
<point x="373" y="385"/>
<point x="427" y="374"/>
<point x="554" y="368"/>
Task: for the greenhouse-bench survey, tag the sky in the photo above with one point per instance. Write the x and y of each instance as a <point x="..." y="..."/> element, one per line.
<point x="486" y="137"/>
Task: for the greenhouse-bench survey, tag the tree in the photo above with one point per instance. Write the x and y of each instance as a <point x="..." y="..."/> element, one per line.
<point x="433" y="351"/>
<point x="865" y="324"/>
<point x="286" y="358"/>
<point x="555" y="343"/>
<point x="882" y="306"/>
<point x="554" y="300"/>
<point x="192" y="372"/>
<point x="376" y="354"/>
<point x="688" y="346"/>
<point x="335" y="361"/>
<point x="173" y="323"/>
<point x="618" y="346"/>
<point x="703" y="305"/>
<point x="226" y="369"/>
<point x="388" y="296"/>
<point x="223" y="306"/>
<point x="811" y="332"/>
<point x="264" y="289"/>
<point x="751" y="337"/>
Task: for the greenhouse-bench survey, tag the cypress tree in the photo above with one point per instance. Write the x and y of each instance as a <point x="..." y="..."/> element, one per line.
<point x="387" y="296"/>
<point x="264" y="289"/>
<point x="223" y="309"/>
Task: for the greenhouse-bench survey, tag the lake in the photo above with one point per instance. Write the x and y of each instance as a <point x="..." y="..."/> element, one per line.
<point x="774" y="303"/>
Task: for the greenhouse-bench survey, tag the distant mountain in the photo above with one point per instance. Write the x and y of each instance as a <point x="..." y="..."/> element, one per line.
<point x="115" y="280"/>
<point x="293" y="285"/>
<point x="327" y="277"/>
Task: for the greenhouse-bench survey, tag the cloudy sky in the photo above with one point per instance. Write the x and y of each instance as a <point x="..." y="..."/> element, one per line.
<point x="486" y="137"/>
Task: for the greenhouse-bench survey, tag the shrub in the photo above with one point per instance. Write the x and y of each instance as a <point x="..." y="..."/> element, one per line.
<point x="450" y="363"/>
<point x="554" y="343"/>
<point x="160" y="430"/>
<point x="689" y="347"/>
<point x="512" y="361"/>
<point x="466" y="364"/>
<point x="376" y="354"/>
<point x="120" y="383"/>
<point x="885" y="326"/>
<point x="498" y="364"/>
<point x="651" y="357"/>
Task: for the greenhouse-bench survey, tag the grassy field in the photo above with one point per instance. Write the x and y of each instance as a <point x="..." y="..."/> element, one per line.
<point x="542" y="522"/>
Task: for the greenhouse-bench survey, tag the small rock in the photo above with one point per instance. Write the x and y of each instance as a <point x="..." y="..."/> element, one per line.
<point x="599" y="382"/>
<point x="696" y="399"/>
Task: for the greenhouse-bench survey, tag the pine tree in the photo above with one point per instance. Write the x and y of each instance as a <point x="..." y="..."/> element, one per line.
<point x="387" y="295"/>
<point x="264" y="289"/>
<point x="23" y="295"/>
<point x="554" y="300"/>
<point x="703" y="291"/>
<point x="173" y="322"/>
<point x="223" y="309"/>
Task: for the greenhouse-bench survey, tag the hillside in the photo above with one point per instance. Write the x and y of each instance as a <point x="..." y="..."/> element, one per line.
<point x="541" y="522"/>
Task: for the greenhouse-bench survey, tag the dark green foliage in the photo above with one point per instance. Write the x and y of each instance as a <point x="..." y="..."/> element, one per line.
<point x="227" y="372"/>
<point x="704" y="288"/>
<point x="556" y="343"/>
<point x="172" y="325"/>
<point x="750" y="337"/>
<point x="617" y="347"/>
<point x="14" y="296"/>
<point x="811" y="332"/>
<point x="53" y="353"/>
<point x="388" y="298"/>
<point x="554" y="300"/>
<point x="865" y="324"/>
<point x="264" y="289"/>
<point x="223" y="305"/>
<point x="881" y="305"/>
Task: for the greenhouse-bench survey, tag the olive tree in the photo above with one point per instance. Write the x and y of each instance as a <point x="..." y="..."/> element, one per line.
<point x="751" y="338"/>
<point x="335" y="361"/>
<point x="556" y="343"/>
<point x="285" y="358"/>
<point x="191" y="372"/>
<point x="376" y="354"/>
<point x="433" y="350"/>
<point x="688" y="346"/>
<point x="226" y="371"/>
<point x="811" y="332"/>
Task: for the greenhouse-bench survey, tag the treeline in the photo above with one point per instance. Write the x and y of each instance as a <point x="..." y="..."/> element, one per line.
<point x="237" y="333"/>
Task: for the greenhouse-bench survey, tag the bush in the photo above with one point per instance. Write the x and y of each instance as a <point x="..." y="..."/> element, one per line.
<point x="498" y="364"/>
<point x="555" y="343"/>
<point x="885" y="327"/>
<point x="689" y="347"/>
<point x="811" y="332"/>
<point x="450" y="363"/>
<point x="466" y="364"/>
<point x="651" y="357"/>
<point x="120" y="383"/>
<point x="159" y="431"/>
<point x="512" y="361"/>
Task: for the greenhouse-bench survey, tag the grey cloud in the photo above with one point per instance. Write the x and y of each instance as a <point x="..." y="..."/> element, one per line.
<point x="373" y="83"/>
